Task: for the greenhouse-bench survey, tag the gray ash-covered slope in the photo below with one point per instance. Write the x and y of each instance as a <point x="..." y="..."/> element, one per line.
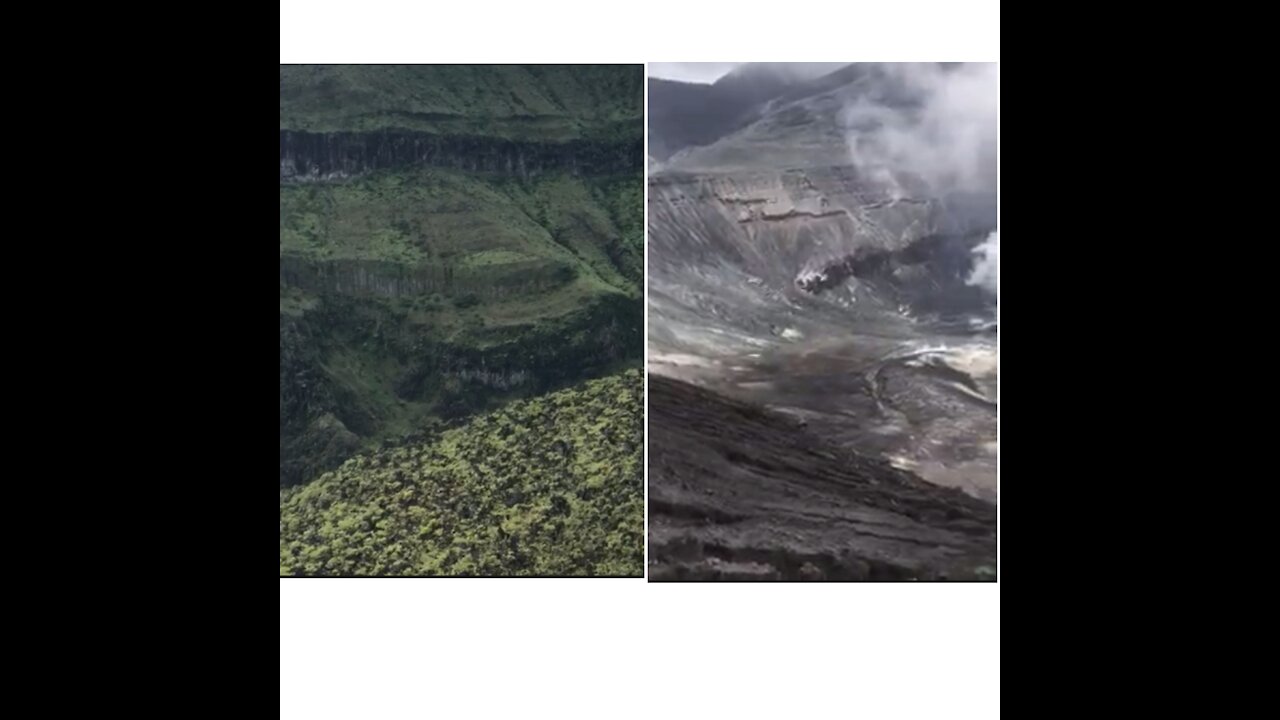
<point x="685" y="114"/>
<point x="799" y="263"/>
<point x="740" y="493"/>
<point x="779" y="221"/>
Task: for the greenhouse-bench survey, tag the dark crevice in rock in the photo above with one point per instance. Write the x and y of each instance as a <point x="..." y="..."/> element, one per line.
<point x="931" y="274"/>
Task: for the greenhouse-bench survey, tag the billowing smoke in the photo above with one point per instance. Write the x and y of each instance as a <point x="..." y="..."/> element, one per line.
<point x="936" y="122"/>
<point x="986" y="269"/>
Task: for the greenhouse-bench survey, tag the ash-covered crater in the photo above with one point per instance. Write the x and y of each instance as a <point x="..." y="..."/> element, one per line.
<point x="842" y="286"/>
<point x="831" y="276"/>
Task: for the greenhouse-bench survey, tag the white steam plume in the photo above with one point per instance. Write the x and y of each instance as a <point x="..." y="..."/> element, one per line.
<point x="986" y="270"/>
<point x="947" y="137"/>
<point x="938" y="124"/>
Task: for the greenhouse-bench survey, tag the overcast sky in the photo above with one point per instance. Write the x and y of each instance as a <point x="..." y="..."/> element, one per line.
<point x="691" y="72"/>
<point x="710" y="72"/>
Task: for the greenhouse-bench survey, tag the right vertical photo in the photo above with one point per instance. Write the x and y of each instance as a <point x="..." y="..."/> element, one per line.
<point x="822" y="292"/>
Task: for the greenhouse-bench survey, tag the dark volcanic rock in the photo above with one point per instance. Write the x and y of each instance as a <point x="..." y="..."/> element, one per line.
<point x="308" y="156"/>
<point x="740" y="493"/>
<point x="392" y="280"/>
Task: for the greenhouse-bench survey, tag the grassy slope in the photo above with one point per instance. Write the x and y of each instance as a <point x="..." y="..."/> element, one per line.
<point x="547" y="486"/>
<point x="440" y="217"/>
<point x="494" y="228"/>
<point x="367" y="361"/>
<point x="387" y="368"/>
<point x="526" y="102"/>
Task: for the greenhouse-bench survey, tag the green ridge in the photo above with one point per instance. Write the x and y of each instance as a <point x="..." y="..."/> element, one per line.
<point x="548" y="103"/>
<point x="416" y="296"/>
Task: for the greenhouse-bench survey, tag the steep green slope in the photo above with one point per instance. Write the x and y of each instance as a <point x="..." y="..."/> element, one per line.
<point x="520" y="102"/>
<point x="464" y="222"/>
<point x="451" y="239"/>
<point x="547" y="486"/>
<point x="433" y="294"/>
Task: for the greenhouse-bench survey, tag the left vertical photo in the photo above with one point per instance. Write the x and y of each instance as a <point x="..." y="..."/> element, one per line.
<point x="461" y="320"/>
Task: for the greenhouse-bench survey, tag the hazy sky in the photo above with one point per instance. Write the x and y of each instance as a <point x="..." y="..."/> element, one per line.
<point x="710" y="72"/>
<point x="691" y="72"/>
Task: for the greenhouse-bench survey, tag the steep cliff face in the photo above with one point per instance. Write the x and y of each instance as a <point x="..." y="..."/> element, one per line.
<point x="357" y="368"/>
<point x="541" y="103"/>
<point x="780" y="225"/>
<point x="736" y="259"/>
<point x="396" y="280"/>
<point x="310" y="157"/>
<point x="587" y="343"/>
<point x="451" y="238"/>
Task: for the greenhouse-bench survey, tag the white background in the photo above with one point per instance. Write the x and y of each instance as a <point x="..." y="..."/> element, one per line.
<point x="604" y="649"/>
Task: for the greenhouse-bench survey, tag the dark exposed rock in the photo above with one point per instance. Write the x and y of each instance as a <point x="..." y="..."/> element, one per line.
<point x="308" y="156"/>
<point x="391" y="279"/>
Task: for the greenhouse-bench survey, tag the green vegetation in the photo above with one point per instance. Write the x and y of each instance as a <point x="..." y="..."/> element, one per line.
<point x="451" y="220"/>
<point x="382" y="368"/>
<point x="521" y="102"/>
<point x="599" y="222"/>
<point x="547" y="486"/>
<point x="455" y="244"/>
<point x="503" y="287"/>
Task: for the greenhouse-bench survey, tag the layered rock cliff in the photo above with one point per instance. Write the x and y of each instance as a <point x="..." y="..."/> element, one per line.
<point x="396" y="280"/>
<point x="309" y="157"/>
<point x="451" y="238"/>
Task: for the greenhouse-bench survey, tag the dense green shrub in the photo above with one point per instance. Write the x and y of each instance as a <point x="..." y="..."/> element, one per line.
<point x="547" y="486"/>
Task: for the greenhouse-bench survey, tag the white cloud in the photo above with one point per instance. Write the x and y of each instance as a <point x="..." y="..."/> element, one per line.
<point x="949" y="139"/>
<point x="986" y="271"/>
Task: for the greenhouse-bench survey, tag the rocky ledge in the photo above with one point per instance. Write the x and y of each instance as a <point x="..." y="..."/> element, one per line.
<point x="310" y="157"/>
